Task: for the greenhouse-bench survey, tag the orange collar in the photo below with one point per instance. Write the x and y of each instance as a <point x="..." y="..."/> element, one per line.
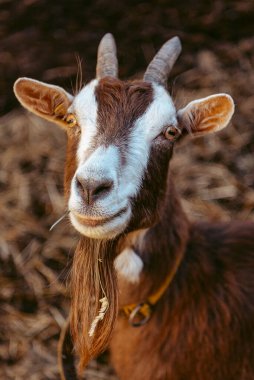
<point x="140" y="313"/>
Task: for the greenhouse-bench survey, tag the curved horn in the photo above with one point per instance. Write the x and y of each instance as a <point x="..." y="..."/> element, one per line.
<point x="107" y="64"/>
<point x="161" y="65"/>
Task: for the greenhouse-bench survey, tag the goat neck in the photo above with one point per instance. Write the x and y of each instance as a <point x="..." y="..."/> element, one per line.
<point x="158" y="246"/>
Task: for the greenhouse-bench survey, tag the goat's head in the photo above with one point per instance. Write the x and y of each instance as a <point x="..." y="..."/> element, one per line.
<point x="120" y="138"/>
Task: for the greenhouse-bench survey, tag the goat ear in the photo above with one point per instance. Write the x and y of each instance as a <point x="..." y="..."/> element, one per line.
<point x="206" y="115"/>
<point x="48" y="101"/>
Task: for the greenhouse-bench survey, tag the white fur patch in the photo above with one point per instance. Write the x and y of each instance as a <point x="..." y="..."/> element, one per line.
<point x="160" y="113"/>
<point x="103" y="163"/>
<point x="85" y="108"/>
<point x="129" y="265"/>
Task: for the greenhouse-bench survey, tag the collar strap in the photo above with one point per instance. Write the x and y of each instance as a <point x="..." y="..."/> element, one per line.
<point x="140" y="313"/>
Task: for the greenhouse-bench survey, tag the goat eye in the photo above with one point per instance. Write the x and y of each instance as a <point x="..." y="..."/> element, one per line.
<point x="71" y="120"/>
<point x="171" y="133"/>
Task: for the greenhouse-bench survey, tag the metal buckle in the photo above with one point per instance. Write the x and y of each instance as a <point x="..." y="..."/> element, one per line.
<point x="138" y="312"/>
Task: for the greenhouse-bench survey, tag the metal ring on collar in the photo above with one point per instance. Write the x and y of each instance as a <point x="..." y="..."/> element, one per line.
<point x="138" y="311"/>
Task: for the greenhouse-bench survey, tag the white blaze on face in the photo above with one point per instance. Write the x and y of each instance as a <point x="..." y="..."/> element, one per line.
<point x="85" y="108"/>
<point x="106" y="161"/>
<point x="159" y="114"/>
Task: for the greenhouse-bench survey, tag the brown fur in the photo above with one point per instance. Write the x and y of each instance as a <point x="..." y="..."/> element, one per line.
<point x="202" y="328"/>
<point x="92" y="266"/>
<point x="120" y="104"/>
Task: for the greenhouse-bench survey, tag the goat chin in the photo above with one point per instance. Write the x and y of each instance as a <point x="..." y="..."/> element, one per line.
<point x="106" y="231"/>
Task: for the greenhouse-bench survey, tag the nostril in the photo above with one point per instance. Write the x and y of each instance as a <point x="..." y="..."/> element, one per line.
<point x="79" y="184"/>
<point x="91" y="189"/>
<point x="102" y="188"/>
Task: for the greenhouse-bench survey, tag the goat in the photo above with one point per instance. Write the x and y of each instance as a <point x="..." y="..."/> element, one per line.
<point x="173" y="299"/>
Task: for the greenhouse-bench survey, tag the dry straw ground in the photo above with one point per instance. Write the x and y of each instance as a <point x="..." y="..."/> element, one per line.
<point x="214" y="175"/>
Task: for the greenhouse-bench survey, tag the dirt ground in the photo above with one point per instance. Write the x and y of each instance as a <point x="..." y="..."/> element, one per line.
<point x="214" y="175"/>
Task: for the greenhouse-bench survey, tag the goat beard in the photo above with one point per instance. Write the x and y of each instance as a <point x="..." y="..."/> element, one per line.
<point x="93" y="276"/>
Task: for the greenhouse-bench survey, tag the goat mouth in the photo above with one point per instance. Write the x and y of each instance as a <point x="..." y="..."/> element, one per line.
<point x="97" y="221"/>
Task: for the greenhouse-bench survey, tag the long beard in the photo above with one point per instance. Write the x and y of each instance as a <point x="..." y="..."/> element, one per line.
<point x="93" y="282"/>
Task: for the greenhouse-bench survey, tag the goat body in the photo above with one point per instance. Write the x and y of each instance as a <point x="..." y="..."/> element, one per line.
<point x="133" y="230"/>
<point x="202" y="328"/>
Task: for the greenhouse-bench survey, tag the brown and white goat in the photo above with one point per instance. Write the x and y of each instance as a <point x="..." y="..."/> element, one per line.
<point x="138" y="254"/>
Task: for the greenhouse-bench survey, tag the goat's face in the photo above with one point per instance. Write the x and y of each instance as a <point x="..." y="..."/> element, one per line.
<point x="119" y="124"/>
<point x="120" y="139"/>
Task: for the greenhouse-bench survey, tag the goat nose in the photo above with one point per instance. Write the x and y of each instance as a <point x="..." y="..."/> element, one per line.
<point x="93" y="189"/>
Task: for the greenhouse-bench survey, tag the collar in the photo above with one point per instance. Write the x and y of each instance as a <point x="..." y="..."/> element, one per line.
<point x="139" y="314"/>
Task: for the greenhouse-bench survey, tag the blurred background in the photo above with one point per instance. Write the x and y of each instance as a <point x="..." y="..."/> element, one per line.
<point x="44" y="40"/>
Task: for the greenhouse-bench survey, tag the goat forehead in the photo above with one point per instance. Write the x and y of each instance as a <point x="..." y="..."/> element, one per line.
<point x="109" y="111"/>
<point x="120" y="104"/>
<point x="124" y="106"/>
